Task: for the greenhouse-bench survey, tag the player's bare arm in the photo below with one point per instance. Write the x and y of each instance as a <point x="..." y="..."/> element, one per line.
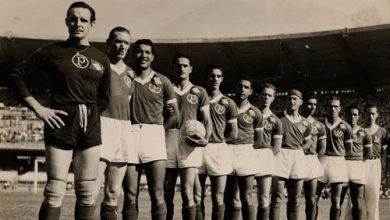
<point x="321" y="147"/>
<point x="231" y="131"/>
<point x="173" y="116"/>
<point x="276" y="145"/>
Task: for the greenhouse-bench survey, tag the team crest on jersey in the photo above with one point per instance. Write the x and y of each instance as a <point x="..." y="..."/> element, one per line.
<point x="80" y="61"/>
<point x="154" y="88"/>
<point x="377" y="139"/>
<point x="193" y="99"/>
<point x="338" y="132"/>
<point x="272" y="120"/>
<point x="127" y="81"/>
<point x="220" y="109"/>
<point x="314" y="130"/>
<point x="357" y="138"/>
<point x="302" y="127"/>
<point x="267" y="124"/>
<point x="247" y="118"/>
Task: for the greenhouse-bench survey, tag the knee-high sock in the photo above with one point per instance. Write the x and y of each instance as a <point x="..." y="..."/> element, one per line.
<point x="108" y="212"/>
<point x="129" y="211"/>
<point x="159" y="212"/>
<point x="170" y="211"/>
<point x="218" y="212"/>
<point x="84" y="212"/>
<point x="262" y="213"/>
<point x="189" y="212"/>
<point x="49" y="213"/>
<point x="248" y="212"/>
<point x="199" y="212"/>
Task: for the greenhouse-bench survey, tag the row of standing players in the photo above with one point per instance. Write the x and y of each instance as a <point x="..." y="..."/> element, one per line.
<point x="90" y="92"/>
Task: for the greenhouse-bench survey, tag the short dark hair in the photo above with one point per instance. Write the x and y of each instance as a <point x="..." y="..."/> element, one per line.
<point x="267" y="85"/>
<point x="116" y="29"/>
<point x="143" y="41"/>
<point x="350" y="107"/>
<point x="370" y="105"/>
<point x="309" y="96"/>
<point x="181" y="55"/>
<point x="211" y="67"/>
<point x="245" y="79"/>
<point x="83" y="5"/>
<point x="333" y="98"/>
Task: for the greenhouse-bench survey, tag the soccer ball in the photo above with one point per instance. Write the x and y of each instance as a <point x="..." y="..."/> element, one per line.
<point x="192" y="127"/>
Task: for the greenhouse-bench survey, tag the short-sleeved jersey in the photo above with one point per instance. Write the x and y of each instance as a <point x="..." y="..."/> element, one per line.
<point x="192" y="101"/>
<point x="361" y="139"/>
<point x="379" y="142"/>
<point x="222" y="110"/>
<point x="317" y="133"/>
<point x="149" y="97"/>
<point x="295" y="132"/>
<point x="272" y="128"/>
<point x="121" y="91"/>
<point x="336" y="136"/>
<point x="249" y="119"/>
<point x="77" y="74"/>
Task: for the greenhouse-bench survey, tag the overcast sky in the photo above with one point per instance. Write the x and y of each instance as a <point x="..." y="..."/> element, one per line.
<point x="194" y="19"/>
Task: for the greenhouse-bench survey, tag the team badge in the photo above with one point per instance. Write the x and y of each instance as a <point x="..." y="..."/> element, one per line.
<point x="157" y="81"/>
<point x="338" y="132"/>
<point x="314" y="130"/>
<point x="377" y="139"/>
<point x="195" y="90"/>
<point x="220" y="109"/>
<point x="361" y="133"/>
<point x="272" y="119"/>
<point x="127" y="81"/>
<point x="193" y="99"/>
<point x="302" y="128"/>
<point x="247" y="118"/>
<point x="80" y="61"/>
<point x="304" y="123"/>
<point x="267" y="125"/>
<point x="154" y="88"/>
<point x="357" y="139"/>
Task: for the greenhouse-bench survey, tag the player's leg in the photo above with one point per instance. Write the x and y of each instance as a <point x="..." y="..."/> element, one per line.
<point x="372" y="188"/>
<point x="101" y="177"/>
<point x="218" y="184"/>
<point x="335" y="208"/>
<point x="232" y="203"/>
<point x="169" y="190"/>
<point x="199" y="195"/>
<point x="112" y="190"/>
<point x="263" y="196"/>
<point x="130" y="187"/>
<point x="155" y="175"/>
<point x="277" y="194"/>
<point x="85" y="163"/>
<point x="343" y="194"/>
<point x="294" y="190"/>
<point x="245" y="185"/>
<point x="357" y="194"/>
<point x="57" y="167"/>
<point x="320" y="187"/>
<point x="310" y="187"/>
<point x="187" y="180"/>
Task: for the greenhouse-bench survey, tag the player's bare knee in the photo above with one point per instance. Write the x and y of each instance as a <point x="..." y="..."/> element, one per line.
<point x="54" y="192"/>
<point x="85" y="192"/>
<point x="264" y="201"/>
<point x="111" y="195"/>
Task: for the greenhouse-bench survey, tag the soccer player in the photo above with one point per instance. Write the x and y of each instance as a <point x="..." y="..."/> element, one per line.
<point x="290" y="162"/>
<point x="271" y="142"/>
<point x="373" y="164"/>
<point x="79" y="78"/>
<point x="249" y="122"/>
<point x="216" y="161"/>
<point x="338" y="139"/>
<point x="152" y="92"/>
<point x="116" y="147"/>
<point x="361" y="150"/>
<point x="183" y="158"/>
<point x="316" y="149"/>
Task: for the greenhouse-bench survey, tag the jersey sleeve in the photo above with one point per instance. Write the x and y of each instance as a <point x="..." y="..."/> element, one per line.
<point x="34" y="64"/>
<point x="367" y="141"/>
<point x="321" y="131"/>
<point x="231" y="111"/>
<point x="307" y="133"/>
<point x="104" y="89"/>
<point x="169" y="94"/>
<point x="204" y="104"/>
<point x="348" y="136"/>
<point x="384" y="140"/>
<point x="277" y="130"/>
<point x="258" y="120"/>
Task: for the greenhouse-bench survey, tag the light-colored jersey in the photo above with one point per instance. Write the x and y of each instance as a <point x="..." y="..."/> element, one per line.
<point x="192" y="101"/>
<point x="336" y="136"/>
<point x="318" y="132"/>
<point x="222" y="110"/>
<point x="149" y="98"/>
<point x="361" y="139"/>
<point x="295" y="132"/>
<point x="121" y="91"/>
<point x="249" y="119"/>
<point x="272" y="128"/>
<point x="378" y="141"/>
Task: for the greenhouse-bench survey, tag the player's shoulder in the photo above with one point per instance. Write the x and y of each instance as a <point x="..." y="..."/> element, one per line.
<point x="382" y="130"/>
<point x="255" y="110"/>
<point x="129" y="72"/>
<point x="318" y="124"/>
<point x="226" y="101"/>
<point x="344" y="125"/>
<point x="158" y="77"/>
<point x="198" y="90"/>
<point x="305" y="121"/>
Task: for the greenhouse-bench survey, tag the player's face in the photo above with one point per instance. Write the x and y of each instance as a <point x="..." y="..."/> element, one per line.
<point x="120" y="45"/>
<point x="214" y="79"/>
<point x="79" y="23"/>
<point x="294" y="102"/>
<point x="353" y="116"/>
<point x="243" y="89"/>
<point x="311" y="106"/>
<point x="334" y="107"/>
<point x="267" y="96"/>
<point x="371" y="115"/>
<point x="144" y="56"/>
<point x="182" y="68"/>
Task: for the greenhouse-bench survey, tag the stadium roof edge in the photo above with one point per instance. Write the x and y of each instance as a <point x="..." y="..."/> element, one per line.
<point x="345" y="30"/>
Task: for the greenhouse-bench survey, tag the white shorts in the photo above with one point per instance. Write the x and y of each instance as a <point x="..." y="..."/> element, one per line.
<point x="179" y="153"/>
<point x="216" y="160"/>
<point x="290" y="164"/>
<point x="117" y="141"/>
<point x="243" y="159"/>
<point x="356" y="171"/>
<point x="149" y="142"/>
<point x="335" y="169"/>
<point x="265" y="162"/>
<point x="313" y="167"/>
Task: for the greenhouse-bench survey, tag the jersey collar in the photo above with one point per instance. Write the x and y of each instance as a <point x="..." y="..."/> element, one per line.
<point x="146" y="80"/>
<point x="373" y="130"/>
<point x="119" y="68"/>
<point x="331" y="126"/>
<point x="355" y="130"/>
<point x="216" y="99"/>
<point x="244" y="109"/>
<point x="184" y="91"/>
<point x="299" y="118"/>
<point x="310" y="119"/>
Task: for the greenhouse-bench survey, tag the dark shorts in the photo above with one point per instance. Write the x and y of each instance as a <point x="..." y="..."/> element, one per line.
<point x="81" y="130"/>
